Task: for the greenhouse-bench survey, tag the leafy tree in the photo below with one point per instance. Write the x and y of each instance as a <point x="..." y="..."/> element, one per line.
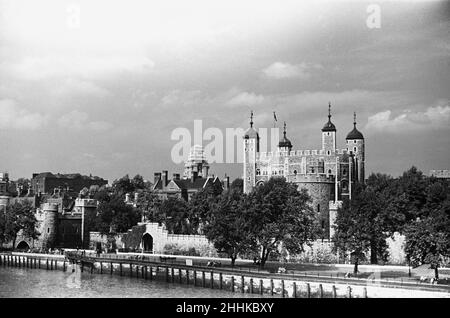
<point x="200" y="206"/>
<point x="357" y="227"/>
<point x="148" y="204"/>
<point x="227" y="227"/>
<point x="428" y="236"/>
<point x="408" y="197"/>
<point x="277" y="213"/>
<point x="173" y="213"/>
<point x="237" y="184"/>
<point x="377" y="192"/>
<point x="123" y="185"/>
<point x="137" y="182"/>
<point x="114" y="215"/>
<point x="18" y="217"/>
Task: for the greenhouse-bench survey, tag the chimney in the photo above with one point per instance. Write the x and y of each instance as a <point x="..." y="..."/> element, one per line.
<point x="157" y="177"/>
<point x="194" y="176"/>
<point x="226" y="183"/>
<point x="176" y="176"/>
<point x="136" y="196"/>
<point x="165" y="177"/>
<point x="205" y="171"/>
<point x="127" y="197"/>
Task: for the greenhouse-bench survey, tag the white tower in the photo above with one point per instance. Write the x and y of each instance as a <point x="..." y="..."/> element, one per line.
<point x="251" y="148"/>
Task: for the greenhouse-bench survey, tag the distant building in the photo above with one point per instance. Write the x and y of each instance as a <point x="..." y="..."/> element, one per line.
<point x="440" y="174"/>
<point x="4" y="192"/>
<point x="194" y="179"/>
<point x="61" y="224"/>
<point x="49" y="183"/>
<point x="328" y="173"/>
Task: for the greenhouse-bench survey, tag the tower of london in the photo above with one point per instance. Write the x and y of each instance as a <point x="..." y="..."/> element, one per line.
<point x="327" y="173"/>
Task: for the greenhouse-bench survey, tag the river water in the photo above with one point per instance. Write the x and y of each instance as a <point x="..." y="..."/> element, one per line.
<point x="26" y="282"/>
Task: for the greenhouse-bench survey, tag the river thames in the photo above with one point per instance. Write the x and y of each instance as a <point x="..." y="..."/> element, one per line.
<point x="34" y="283"/>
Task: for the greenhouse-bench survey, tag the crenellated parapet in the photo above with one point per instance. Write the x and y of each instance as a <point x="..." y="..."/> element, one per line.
<point x="87" y="203"/>
<point x="318" y="177"/>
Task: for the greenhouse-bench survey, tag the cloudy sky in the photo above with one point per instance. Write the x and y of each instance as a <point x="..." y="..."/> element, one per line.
<point x="99" y="86"/>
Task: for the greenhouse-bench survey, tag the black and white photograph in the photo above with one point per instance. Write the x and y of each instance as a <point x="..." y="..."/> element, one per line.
<point x="224" y="155"/>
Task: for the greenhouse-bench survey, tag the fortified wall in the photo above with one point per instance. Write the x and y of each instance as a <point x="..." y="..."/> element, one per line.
<point x="151" y="237"/>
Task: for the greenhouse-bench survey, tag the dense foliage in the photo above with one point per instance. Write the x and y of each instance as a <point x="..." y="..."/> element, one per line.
<point x="413" y="204"/>
<point x="18" y="217"/>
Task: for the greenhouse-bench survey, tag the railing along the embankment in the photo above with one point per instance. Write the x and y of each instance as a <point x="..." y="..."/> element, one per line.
<point x="167" y="269"/>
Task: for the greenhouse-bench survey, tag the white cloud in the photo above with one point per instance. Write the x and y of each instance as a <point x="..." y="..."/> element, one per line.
<point x="43" y="67"/>
<point x="280" y="70"/>
<point x="437" y="117"/>
<point x="12" y="116"/>
<point x="73" y="86"/>
<point x="180" y="97"/>
<point x="77" y="120"/>
<point x="246" y="99"/>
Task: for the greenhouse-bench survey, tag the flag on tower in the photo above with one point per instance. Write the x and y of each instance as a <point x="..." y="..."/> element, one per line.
<point x="274" y="116"/>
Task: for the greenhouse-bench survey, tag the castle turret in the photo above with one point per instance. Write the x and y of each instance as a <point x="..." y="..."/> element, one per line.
<point x="329" y="135"/>
<point x="285" y="144"/>
<point x="251" y="148"/>
<point x="50" y="225"/>
<point x="355" y="144"/>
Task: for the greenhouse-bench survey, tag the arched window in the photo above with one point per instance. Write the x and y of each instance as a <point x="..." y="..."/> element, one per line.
<point x="323" y="224"/>
<point x="295" y="172"/>
<point x="48" y="230"/>
<point x="354" y="149"/>
<point x="329" y="171"/>
<point x="344" y="186"/>
<point x="328" y="152"/>
<point x="318" y="207"/>
<point x="258" y="172"/>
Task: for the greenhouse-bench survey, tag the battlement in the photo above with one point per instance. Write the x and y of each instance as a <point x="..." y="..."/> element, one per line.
<point x="334" y="205"/>
<point x="89" y="203"/>
<point x="300" y="153"/>
<point x="317" y="177"/>
<point x="442" y="174"/>
<point x="50" y="207"/>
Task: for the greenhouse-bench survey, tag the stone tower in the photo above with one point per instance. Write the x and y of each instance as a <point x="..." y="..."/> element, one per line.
<point x="85" y="206"/>
<point x="49" y="225"/>
<point x="251" y="148"/>
<point x="355" y="146"/>
<point x="329" y="135"/>
<point x="4" y="194"/>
